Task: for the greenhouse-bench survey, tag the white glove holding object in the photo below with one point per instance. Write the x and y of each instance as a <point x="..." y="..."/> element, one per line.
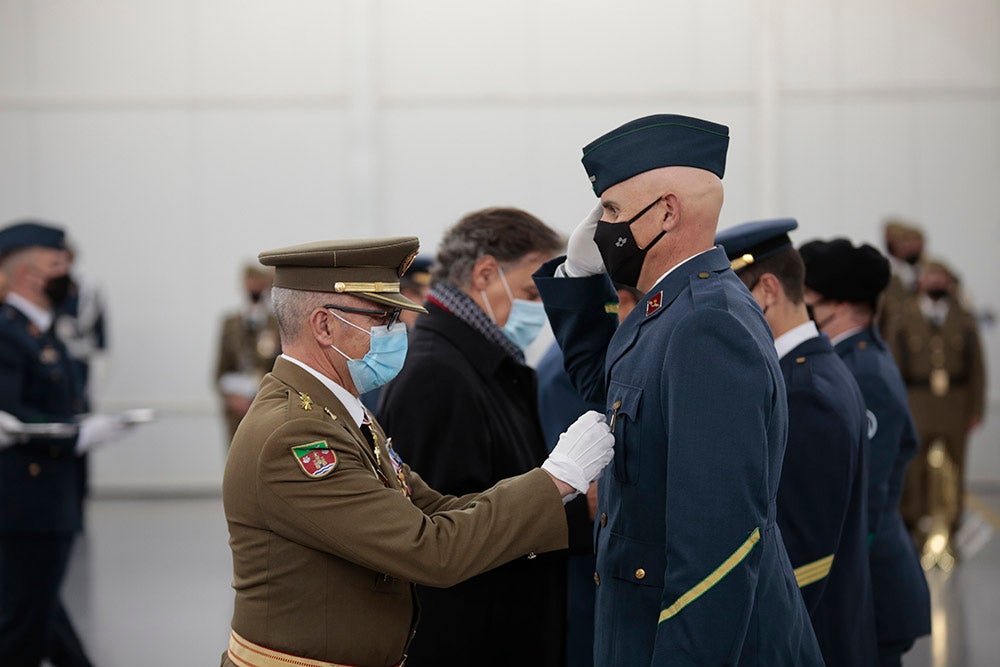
<point x="10" y="427"/>
<point x="582" y="256"/>
<point x="581" y="453"/>
<point x="99" y="430"/>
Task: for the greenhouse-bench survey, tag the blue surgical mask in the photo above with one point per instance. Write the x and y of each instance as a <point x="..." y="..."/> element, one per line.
<point x="526" y="318"/>
<point x="384" y="358"/>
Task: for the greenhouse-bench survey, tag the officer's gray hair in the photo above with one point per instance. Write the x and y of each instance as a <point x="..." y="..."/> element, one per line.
<point x="292" y="308"/>
<point x="508" y="234"/>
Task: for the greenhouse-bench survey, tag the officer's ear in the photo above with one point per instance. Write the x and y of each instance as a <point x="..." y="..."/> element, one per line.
<point x="669" y="207"/>
<point x="484" y="271"/>
<point x="771" y="289"/>
<point x="322" y="326"/>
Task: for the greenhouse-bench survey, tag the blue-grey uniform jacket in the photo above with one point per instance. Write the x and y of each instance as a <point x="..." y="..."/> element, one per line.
<point x="902" y="601"/>
<point x="691" y="568"/>
<point x="823" y="501"/>
<point x="38" y="479"/>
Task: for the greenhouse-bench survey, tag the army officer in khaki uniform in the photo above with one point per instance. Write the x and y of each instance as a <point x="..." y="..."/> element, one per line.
<point x="329" y="528"/>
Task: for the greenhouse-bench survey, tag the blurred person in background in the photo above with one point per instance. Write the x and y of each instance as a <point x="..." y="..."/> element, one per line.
<point x="248" y="346"/>
<point x="559" y="404"/>
<point x="81" y="324"/>
<point x="39" y="481"/>
<point x="904" y="244"/>
<point x="940" y="356"/>
<point x="464" y="411"/>
<point x="843" y="285"/>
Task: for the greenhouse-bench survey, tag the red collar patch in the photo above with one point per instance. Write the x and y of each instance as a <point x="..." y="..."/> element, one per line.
<point x="654" y="303"/>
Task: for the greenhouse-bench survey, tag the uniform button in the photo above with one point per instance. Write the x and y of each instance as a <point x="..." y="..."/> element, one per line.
<point x="604" y="519"/>
<point x="617" y="404"/>
<point x="800" y="360"/>
<point x="640" y="573"/>
<point x="597" y="579"/>
<point x="703" y="275"/>
<point x="34" y="469"/>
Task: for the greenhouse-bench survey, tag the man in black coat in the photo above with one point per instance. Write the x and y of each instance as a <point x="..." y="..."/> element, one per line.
<point x="463" y="411"/>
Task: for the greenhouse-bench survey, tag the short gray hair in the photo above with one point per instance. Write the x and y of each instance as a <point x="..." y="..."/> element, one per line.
<point x="508" y="234"/>
<point x="292" y="308"/>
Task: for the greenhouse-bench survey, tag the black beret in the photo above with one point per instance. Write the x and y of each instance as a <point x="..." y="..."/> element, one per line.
<point x="31" y="233"/>
<point x="841" y="272"/>
<point x="753" y="241"/>
<point x="664" y="140"/>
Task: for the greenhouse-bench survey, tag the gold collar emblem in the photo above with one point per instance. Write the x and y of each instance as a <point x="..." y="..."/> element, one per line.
<point x="305" y="402"/>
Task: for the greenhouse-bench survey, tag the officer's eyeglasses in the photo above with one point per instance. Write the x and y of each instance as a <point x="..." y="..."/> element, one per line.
<point x="387" y="317"/>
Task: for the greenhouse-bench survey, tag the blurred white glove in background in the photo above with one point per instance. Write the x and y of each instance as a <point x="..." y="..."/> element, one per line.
<point x="10" y="427"/>
<point x="99" y="430"/>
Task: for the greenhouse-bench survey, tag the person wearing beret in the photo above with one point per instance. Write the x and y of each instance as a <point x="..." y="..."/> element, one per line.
<point x="823" y="493"/>
<point x="939" y="353"/>
<point x="691" y="566"/>
<point x="843" y="284"/>
<point x="40" y="510"/>
<point x="248" y="346"/>
<point x="329" y="528"/>
<point x="464" y="413"/>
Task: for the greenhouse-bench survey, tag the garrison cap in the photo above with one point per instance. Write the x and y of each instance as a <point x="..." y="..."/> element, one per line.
<point x="663" y="140"/>
<point x="366" y="268"/>
<point x="753" y="241"/>
<point x="31" y="233"/>
<point x="841" y="272"/>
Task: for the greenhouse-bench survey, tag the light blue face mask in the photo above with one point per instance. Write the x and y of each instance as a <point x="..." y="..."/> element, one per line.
<point x="384" y="358"/>
<point x="526" y="318"/>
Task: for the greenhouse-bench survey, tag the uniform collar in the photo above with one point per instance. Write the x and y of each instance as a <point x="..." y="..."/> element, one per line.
<point x="677" y="266"/>
<point x="792" y="338"/>
<point x="350" y="402"/>
<point x="37" y="315"/>
<point x="847" y="334"/>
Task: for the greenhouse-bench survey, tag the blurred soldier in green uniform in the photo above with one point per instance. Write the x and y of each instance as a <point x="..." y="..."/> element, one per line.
<point x="248" y="347"/>
<point x="904" y="244"/>
<point x="939" y="353"/>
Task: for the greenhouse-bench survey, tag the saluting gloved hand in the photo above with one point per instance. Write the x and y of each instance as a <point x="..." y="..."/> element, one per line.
<point x="581" y="453"/>
<point x="582" y="256"/>
<point x="99" y="430"/>
<point x="10" y="427"/>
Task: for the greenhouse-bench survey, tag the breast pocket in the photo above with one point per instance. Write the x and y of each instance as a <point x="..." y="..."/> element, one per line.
<point x="623" y="418"/>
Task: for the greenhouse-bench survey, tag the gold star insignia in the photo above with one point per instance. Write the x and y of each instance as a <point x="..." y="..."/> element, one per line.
<point x="305" y="402"/>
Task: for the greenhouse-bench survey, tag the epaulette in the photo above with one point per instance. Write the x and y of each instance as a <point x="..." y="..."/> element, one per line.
<point x="708" y="290"/>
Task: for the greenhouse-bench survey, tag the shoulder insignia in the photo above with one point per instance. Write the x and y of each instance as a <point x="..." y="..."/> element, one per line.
<point x="872" y="424"/>
<point x="654" y="303"/>
<point x="305" y="402"/>
<point x="316" y="459"/>
<point x="611" y="308"/>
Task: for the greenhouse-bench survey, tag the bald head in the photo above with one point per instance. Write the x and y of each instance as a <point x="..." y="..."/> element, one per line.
<point x="688" y="203"/>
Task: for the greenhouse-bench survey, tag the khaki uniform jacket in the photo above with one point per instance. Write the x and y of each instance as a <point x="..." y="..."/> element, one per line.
<point x="943" y="369"/>
<point x="324" y="565"/>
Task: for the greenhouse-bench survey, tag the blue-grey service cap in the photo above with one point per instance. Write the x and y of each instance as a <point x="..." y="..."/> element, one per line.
<point x="31" y="234"/>
<point x="663" y="140"/>
<point x="753" y="241"/>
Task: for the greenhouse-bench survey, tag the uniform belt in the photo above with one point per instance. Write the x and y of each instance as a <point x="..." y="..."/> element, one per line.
<point x="245" y="653"/>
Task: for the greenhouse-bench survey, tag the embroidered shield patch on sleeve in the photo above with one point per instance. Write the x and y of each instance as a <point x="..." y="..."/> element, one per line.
<point x="316" y="459"/>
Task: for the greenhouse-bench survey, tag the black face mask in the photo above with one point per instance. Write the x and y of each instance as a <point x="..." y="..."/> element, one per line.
<point x="937" y="294"/>
<point x="254" y="296"/>
<point x="623" y="258"/>
<point x="912" y="259"/>
<point x="57" y="289"/>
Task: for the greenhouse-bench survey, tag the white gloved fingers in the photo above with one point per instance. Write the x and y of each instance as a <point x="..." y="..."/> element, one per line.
<point x="98" y="430"/>
<point x="583" y="258"/>
<point x="10" y="429"/>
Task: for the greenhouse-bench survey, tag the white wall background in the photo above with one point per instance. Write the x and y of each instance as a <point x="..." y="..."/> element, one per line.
<point x="178" y="138"/>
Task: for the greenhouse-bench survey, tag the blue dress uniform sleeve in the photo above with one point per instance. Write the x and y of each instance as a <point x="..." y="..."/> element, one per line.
<point x="885" y="423"/>
<point x="582" y="323"/>
<point x="820" y="462"/>
<point x="718" y="397"/>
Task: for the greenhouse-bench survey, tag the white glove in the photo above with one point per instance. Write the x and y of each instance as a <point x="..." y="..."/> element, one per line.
<point x="10" y="427"/>
<point x="582" y="256"/>
<point x="99" y="430"/>
<point x="582" y="452"/>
